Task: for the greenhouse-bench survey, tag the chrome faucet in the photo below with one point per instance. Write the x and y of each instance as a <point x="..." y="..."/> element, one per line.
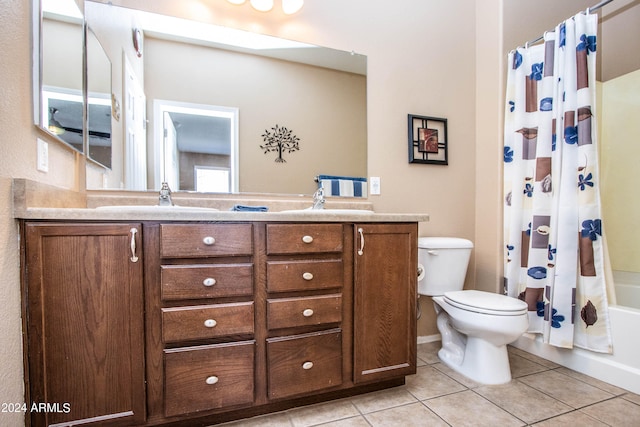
<point x="318" y="199"/>
<point x="165" y="195"/>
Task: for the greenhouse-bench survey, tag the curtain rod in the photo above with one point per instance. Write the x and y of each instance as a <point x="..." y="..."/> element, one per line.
<point x="587" y="11"/>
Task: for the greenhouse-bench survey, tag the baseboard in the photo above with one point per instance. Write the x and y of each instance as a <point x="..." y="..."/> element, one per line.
<point x="428" y="338"/>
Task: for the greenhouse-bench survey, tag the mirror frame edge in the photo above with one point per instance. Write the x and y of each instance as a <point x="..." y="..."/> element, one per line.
<point x="37" y="60"/>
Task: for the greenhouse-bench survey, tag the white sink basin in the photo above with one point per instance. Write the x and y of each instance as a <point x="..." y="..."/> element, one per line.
<point x="155" y="208"/>
<point x="330" y="211"/>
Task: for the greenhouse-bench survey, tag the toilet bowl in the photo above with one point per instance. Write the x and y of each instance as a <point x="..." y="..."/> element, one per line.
<point x="475" y="326"/>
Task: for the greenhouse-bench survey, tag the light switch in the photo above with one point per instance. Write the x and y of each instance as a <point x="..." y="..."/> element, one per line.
<point x="42" y="156"/>
<point x="375" y="186"/>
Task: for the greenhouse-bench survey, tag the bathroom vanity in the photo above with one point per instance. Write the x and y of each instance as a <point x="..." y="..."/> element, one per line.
<point x="199" y="318"/>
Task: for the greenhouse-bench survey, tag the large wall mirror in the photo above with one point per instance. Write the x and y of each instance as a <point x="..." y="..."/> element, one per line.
<point x="318" y="94"/>
<point x="58" y="70"/>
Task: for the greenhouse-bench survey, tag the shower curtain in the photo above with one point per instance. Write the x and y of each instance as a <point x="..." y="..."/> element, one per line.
<point x="553" y="229"/>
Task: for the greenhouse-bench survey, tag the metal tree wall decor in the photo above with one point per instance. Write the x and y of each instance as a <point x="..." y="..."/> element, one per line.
<point x="280" y="139"/>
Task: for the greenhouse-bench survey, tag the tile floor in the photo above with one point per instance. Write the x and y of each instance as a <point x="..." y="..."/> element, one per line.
<point x="541" y="394"/>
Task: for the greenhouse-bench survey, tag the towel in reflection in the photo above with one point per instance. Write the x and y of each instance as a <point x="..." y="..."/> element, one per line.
<point x="344" y="186"/>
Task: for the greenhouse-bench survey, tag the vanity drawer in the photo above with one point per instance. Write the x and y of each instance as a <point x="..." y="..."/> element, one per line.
<point x="304" y="363"/>
<point x="205" y="240"/>
<point x="208" y="377"/>
<point x="283" y="276"/>
<point x="206" y="321"/>
<point x="206" y="281"/>
<point x="292" y="312"/>
<point x="303" y="238"/>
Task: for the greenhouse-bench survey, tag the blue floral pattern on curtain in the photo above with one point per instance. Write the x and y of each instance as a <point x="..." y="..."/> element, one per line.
<point x="554" y="254"/>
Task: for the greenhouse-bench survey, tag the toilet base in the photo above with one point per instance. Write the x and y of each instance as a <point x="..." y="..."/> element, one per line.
<point x="482" y="362"/>
<point x="476" y="358"/>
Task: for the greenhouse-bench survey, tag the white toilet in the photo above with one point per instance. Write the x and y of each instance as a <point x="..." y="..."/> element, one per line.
<point x="475" y="326"/>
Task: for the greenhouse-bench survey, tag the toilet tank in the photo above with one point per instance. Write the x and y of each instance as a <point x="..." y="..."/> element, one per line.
<point x="444" y="261"/>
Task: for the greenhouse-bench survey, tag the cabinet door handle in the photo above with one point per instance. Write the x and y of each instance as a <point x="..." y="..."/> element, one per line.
<point x="210" y="323"/>
<point x="307" y="313"/>
<point x="307" y="239"/>
<point x="211" y="380"/>
<point x="134" y="257"/>
<point x="307" y="276"/>
<point x="209" y="281"/>
<point x="361" y="233"/>
<point x="307" y="365"/>
<point x="208" y="240"/>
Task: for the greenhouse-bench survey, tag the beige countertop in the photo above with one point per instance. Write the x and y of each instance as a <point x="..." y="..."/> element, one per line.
<point x="143" y="214"/>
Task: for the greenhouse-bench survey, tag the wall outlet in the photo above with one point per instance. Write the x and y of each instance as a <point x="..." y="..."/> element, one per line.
<point x="43" y="156"/>
<point x="375" y="186"/>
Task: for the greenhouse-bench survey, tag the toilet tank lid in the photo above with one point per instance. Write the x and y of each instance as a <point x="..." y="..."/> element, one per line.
<point x="444" y="243"/>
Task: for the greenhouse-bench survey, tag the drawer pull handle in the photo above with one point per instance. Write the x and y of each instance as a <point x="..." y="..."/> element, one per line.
<point x="307" y="276"/>
<point x="307" y="365"/>
<point x="307" y="313"/>
<point x="210" y="323"/>
<point x="211" y="380"/>
<point x="307" y="239"/>
<point x="208" y="240"/>
<point x="209" y="281"/>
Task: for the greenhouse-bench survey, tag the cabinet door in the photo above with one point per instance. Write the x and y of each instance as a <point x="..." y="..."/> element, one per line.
<point x="385" y="301"/>
<point x="84" y="303"/>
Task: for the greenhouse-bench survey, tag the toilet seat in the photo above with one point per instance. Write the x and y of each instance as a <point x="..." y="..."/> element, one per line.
<point x="486" y="303"/>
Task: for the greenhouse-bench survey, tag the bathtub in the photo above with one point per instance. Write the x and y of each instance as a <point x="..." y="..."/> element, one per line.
<point x="627" y="288"/>
<point x="622" y="368"/>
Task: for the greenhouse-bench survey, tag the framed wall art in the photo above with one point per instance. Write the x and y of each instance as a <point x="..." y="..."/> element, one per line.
<point x="427" y="140"/>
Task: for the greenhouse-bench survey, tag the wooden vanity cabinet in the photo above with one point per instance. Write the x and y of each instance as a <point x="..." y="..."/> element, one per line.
<point x="216" y="321"/>
<point x="84" y="323"/>
<point x="385" y="301"/>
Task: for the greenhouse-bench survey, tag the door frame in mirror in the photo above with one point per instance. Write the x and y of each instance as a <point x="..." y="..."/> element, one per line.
<point x="231" y="113"/>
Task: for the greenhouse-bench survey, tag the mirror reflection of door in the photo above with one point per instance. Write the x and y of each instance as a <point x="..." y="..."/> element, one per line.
<point x="135" y="175"/>
<point x="171" y="173"/>
<point x="197" y="145"/>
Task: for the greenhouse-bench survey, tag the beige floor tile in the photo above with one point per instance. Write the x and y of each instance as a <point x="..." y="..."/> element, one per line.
<point x="521" y="366"/>
<point x="616" y="412"/>
<point x="428" y="382"/>
<point x="322" y="413"/>
<point x="617" y="391"/>
<point x="532" y="357"/>
<point x="278" y="419"/>
<point x="467" y="408"/>
<point x="522" y="401"/>
<point x="358" y="421"/>
<point x="383" y="399"/>
<point x="467" y="382"/>
<point x="566" y="389"/>
<point x="428" y="352"/>
<point x="632" y="397"/>
<point x="575" y="418"/>
<point x="413" y="415"/>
